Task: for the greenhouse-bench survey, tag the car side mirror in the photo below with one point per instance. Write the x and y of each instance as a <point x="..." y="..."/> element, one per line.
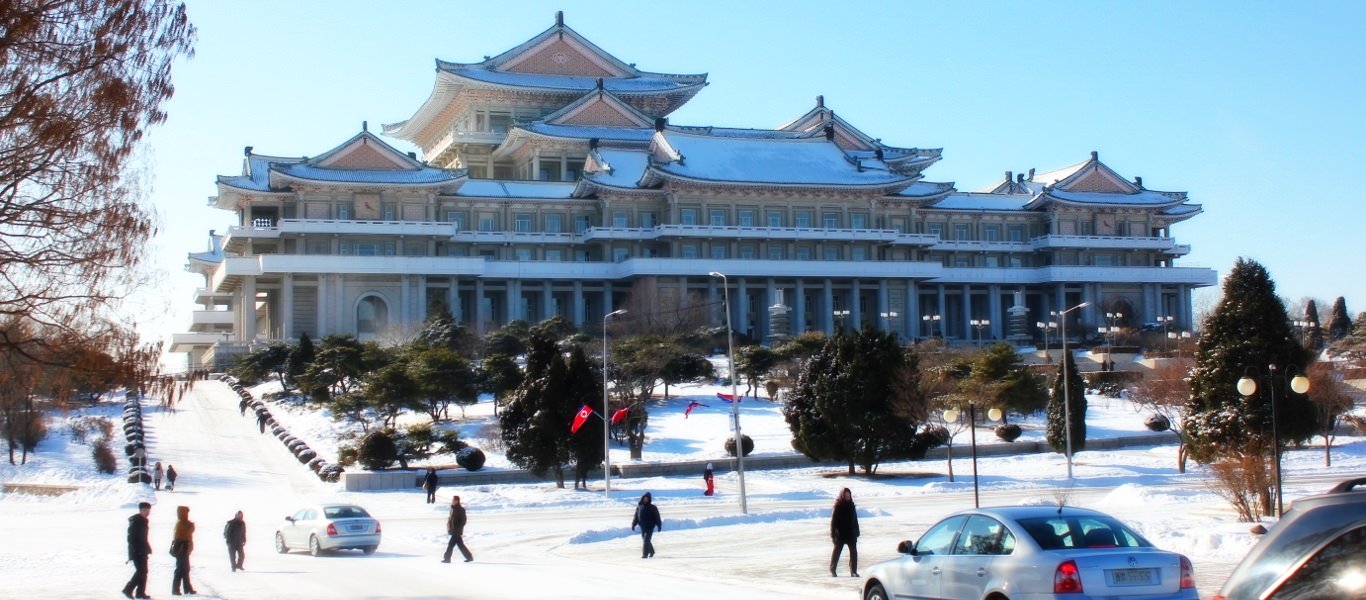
<point x="906" y="547"/>
<point x="290" y="518"/>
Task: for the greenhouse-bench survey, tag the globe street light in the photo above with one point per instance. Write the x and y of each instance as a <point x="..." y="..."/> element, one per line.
<point x="1046" y="327"/>
<point x="1066" y="388"/>
<point x="951" y="416"/>
<point x="1165" y="321"/>
<point x="979" y="325"/>
<point x="931" y="321"/>
<point x="1299" y="384"/>
<point x="606" y="412"/>
<point x="889" y="318"/>
<point x="734" y="394"/>
<point x="838" y="314"/>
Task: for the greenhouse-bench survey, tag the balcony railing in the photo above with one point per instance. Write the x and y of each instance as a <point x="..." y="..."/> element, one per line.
<point x="1103" y="241"/>
<point x="448" y="141"/>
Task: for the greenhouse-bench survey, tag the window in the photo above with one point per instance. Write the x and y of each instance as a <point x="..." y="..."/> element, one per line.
<point x="580" y="256"/>
<point x="830" y="220"/>
<point x="316" y="246"/>
<point x="389" y="210"/>
<point x="572" y="168"/>
<point x="620" y="254"/>
<point x="984" y="536"/>
<point x="936" y="230"/>
<point x="1016" y="262"/>
<point x="960" y="231"/>
<point x="962" y="261"/>
<point x="344" y="212"/>
<point x="859" y="253"/>
<point x="718" y="217"/>
<point x="991" y="233"/>
<point x="581" y="223"/>
<point x="554" y="255"/>
<point x="939" y="539"/>
<point x="523" y="222"/>
<point x="858" y="221"/>
<point x="550" y="171"/>
<point x="830" y="253"/>
<point x="372" y="315"/>
<point x="620" y="219"/>
<point x="747" y="252"/>
<point x="775" y="218"/>
<point x="456" y="219"/>
<point x="688" y="251"/>
<point x="1102" y="260"/>
<point x="415" y="249"/>
<point x="367" y="249"/>
<point x="554" y="223"/>
<point x="718" y="251"/>
<point x="1085" y="228"/>
<point x="746" y="218"/>
<point x="1329" y="571"/>
<point x="648" y="219"/>
<point x="993" y="261"/>
<point x="803" y="219"/>
<point x="803" y="253"/>
<point x="687" y="216"/>
<point x="1017" y="233"/>
<point x="486" y="222"/>
<point x="775" y="253"/>
<point x="522" y="254"/>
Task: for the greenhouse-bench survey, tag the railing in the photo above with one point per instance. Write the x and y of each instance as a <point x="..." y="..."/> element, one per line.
<point x="1103" y="241"/>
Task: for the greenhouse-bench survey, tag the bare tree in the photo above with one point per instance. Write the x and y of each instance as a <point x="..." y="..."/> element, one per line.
<point x="1165" y="392"/>
<point x="1330" y="398"/>
<point x="662" y="310"/>
<point x="80" y="82"/>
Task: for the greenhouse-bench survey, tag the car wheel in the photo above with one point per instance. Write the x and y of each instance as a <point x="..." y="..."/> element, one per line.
<point x="368" y="550"/>
<point x="313" y="547"/>
<point x="875" y="592"/>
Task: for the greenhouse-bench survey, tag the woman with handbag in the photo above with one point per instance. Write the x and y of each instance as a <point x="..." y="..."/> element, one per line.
<point x="182" y="544"/>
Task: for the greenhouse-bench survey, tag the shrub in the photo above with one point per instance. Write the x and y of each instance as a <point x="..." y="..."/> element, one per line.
<point x="306" y="455"/>
<point x="34" y="432"/>
<point x="316" y="464"/>
<point x="330" y="473"/>
<point x="470" y="458"/>
<point x="377" y="450"/>
<point x="1245" y="482"/>
<point x="1157" y="423"/>
<point x="747" y="443"/>
<point x="105" y="461"/>
<point x="346" y="455"/>
<point x="1009" y="432"/>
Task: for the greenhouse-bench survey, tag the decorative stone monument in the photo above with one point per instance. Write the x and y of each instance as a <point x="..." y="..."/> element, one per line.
<point x="1019" y="322"/>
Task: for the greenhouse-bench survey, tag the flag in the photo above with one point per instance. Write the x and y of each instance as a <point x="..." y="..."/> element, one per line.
<point x="620" y="415"/>
<point x="579" y="418"/>
<point x="692" y="405"/>
<point x="727" y="397"/>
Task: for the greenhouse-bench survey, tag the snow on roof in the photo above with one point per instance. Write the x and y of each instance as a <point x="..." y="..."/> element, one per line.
<point x="921" y="189"/>
<point x="815" y="161"/>
<point x="1060" y="174"/>
<point x="630" y="85"/>
<point x="631" y="134"/>
<point x="1144" y="198"/>
<point x="624" y="167"/>
<point x="257" y="176"/>
<point x="423" y="176"/>
<point x="977" y="201"/>
<point x="490" y="188"/>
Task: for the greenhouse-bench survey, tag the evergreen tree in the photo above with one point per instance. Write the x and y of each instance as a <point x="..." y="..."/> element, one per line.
<point x="299" y="358"/>
<point x="442" y="377"/>
<point x="585" y="388"/>
<point x="1058" y="402"/>
<point x="498" y="375"/>
<point x="1247" y="332"/>
<point x="1313" y="332"/>
<point x="538" y="416"/>
<point x="1002" y="381"/>
<point x="858" y="400"/>
<point x="1339" y="324"/>
<point x="441" y="331"/>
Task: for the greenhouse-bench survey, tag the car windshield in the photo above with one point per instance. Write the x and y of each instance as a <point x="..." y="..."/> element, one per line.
<point x="1069" y="532"/>
<point x="344" y="512"/>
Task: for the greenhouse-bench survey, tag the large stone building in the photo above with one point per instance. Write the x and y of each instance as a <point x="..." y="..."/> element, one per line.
<point x="551" y="181"/>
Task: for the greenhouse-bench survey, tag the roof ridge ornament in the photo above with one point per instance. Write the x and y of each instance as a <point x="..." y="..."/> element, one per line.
<point x="559" y="18"/>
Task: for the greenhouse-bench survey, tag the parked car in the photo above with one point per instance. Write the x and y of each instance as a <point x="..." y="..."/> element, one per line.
<point x="1034" y="552"/>
<point x="326" y="527"/>
<point x="1317" y="550"/>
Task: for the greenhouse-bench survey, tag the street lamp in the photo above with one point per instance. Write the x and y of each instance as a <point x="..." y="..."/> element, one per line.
<point x="1066" y="389"/>
<point x="932" y="321"/>
<point x="606" y="412"/>
<point x="838" y="314"/>
<point x="1299" y="384"/>
<point x="1165" y="321"/>
<point x="734" y="394"/>
<point x="1184" y="335"/>
<point x="951" y="416"/>
<point x="979" y="325"/>
<point x="1045" y="327"/>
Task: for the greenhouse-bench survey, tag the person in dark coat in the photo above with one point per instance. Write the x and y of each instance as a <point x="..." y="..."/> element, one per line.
<point x="707" y="476"/>
<point x="455" y="527"/>
<point x="242" y="406"/>
<point x="170" y="478"/>
<point x="235" y="534"/>
<point x="156" y="475"/>
<point x="138" y="550"/>
<point x="429" y="484"/>
<point x="844" y="532"/>
<point x="182" y="544"/>
<point x="261" y="420"/>
<point x="647" y="517"/>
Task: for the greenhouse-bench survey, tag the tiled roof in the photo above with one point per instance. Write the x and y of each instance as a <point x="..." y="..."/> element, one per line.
<point x="787" y="162"/>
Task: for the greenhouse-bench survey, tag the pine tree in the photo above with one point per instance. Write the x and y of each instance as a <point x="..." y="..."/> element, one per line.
<point x="1247" y="332"/>
<point x="1058" y="402"/>
<point x="1339" y="324"/>
<point x="538" y="415"/>
<point x="299" y="358"/>
<point x="1313" y="331"/>
<point x="585" y="388"/>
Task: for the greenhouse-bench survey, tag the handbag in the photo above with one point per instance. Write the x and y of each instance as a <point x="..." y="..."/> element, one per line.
<point x="177" y="547"/>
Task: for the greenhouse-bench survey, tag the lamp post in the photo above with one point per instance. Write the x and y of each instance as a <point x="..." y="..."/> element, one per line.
<point x="734" y="394"/>
<point x="1300" y="327"/>
<point x="888" y="318"/>
<point x="979" y="325"/>
<point x="838" y="314"/>
<point x="1165" y="321"/>
<point x="1046" y="327"/>
<point x="606" y="412"/>
<point x="951" y="416"/>
<point x="1299" y="384"/>
<point x="932" y="321"/>
<point x="1066" y="388"/>
<point x="1184" y="335"/>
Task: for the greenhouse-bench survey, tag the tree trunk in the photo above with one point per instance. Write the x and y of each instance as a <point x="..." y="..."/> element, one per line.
<point x="559" y="476"/>
<point x="1181" y="456"/>
<point x="949" y="448"/>
<point x="1327" y="451"/>
<point x="851" y="466"/>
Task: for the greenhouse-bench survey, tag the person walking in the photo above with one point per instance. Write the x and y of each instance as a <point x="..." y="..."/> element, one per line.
<point x="170" y="478"/>
<point x="455" y="527"/>
<point x="647" y="517"/>
<point x="235" y="534"/>
<point x="138" y="551"/>
<point x="429" y="484"/>
<point x="242" y="406"/>
<point x="844" y="532"/>
<point x="261" y="420"/>
<point x="182" y="544"/>
<point x="156" y="475"/>
<point x="707" y="476"/>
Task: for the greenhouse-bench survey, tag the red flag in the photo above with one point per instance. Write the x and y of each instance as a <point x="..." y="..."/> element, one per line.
<point x="727" y="397"/>
<point x="692" y="405"/>
<point x="620" y="415"/>
<point x="583" y="415"/>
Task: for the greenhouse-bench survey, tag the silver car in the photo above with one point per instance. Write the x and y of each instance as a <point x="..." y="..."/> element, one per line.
<point x="1031" y="553"/>
<point x="327" y="527"/>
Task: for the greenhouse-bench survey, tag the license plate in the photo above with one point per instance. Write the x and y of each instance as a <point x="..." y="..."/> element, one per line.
<point x="355" y="528"/>
<point x="1131" y="577"/>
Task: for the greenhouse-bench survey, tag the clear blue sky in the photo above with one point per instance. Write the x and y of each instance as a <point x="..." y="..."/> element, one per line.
<point x="1254" y="108"/>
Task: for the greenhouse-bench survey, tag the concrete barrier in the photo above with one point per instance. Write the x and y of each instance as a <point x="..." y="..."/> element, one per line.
<point x="412" y="478"/>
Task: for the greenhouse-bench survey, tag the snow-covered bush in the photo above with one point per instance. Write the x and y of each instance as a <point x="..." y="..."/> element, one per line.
<point x="470" y="458"/>
<point x="1009" y="432"/>
<point x="745" y="442"/>
<point x="105" y="461"/>
<point x="377" y="450"/>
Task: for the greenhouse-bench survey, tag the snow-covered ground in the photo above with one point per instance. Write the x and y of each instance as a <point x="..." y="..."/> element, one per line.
<point x="537" y="541"/>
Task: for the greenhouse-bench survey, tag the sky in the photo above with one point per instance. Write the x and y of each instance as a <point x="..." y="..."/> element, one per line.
<point x="568" y="538"/>
<point x="1250" y="107"/>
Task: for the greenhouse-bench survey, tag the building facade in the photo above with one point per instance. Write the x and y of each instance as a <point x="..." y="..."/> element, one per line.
<point x="551" y="181"/>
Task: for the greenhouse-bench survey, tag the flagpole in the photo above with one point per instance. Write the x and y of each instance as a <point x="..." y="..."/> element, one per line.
<point x="606" y="413"/>
<point x="734" y="394"/>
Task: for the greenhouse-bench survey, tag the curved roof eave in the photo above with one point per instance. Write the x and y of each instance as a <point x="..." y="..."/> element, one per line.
<point x="443" y="89"/>
<point x="445" y="183"/>
<point x="690" y="89"/>
<point x="654" y="173"/>
<point x="1045" y="198"/>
